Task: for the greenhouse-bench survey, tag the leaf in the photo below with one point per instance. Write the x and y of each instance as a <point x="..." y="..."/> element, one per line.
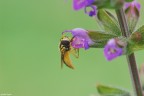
<point x="111" y="4"/>
<point x="128" y="0"/>
<point x="108" y="21"/>
<point x="141" y="29"/>
<point x="100" y="38"/>
<point x="136" y="41"/>
<point x="100" y="35"/>
<point x="111" y="91"/>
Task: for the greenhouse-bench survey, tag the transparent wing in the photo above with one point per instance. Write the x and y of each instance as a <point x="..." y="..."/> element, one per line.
<point x="75" y="52"/>
<point x="62" y="60"/>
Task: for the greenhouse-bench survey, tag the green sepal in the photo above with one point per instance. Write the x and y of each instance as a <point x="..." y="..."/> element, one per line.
<point x="111" y="91"/>
<point x="128" y="0"/>
<point x="108" y="22"/>
<point x="132" y="24"/>
<point x="136" y="41"/>
<point x="111" y="4"/>
<point x="99" y="38"/>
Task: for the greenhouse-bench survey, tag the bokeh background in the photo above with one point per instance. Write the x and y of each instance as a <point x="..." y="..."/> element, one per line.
<point x="30" y="31"/>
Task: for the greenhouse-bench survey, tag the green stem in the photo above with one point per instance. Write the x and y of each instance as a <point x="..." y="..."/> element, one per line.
<point x="130" y="58"/>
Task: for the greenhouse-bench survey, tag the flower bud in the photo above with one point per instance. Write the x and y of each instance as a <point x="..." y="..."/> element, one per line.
<point x="132" y="11"/>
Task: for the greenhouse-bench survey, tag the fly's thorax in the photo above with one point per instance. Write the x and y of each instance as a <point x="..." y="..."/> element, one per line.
<point x="65" y="44"/>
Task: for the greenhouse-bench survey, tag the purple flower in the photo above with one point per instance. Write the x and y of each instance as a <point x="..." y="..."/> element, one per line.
<point x="112" y="50"/>
<point x="92" y="12"/>
<point x="80" y="38"/>
<point x="79" y="42"/>
<point x="79" y="4"/>
<point x="132" y="8"/>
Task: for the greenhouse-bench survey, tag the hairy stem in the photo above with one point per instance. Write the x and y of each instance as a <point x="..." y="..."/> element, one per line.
<point x="130" y="58"/>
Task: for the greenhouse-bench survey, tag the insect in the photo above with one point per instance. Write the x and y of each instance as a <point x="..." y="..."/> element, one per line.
<point x="65" y="49"/>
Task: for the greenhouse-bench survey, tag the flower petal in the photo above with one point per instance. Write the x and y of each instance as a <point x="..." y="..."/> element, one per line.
<point x="132" y="5"/>
<point x="80" y="32"/>
<point x="112" y="50"/>
<point x="77" y="42"/>
<point x="79" y="4"/>
<point x="92" y="12"/>
<point x="80" y="38"/>
<point x="138" y="6"/>
<point x="86" y="46"/>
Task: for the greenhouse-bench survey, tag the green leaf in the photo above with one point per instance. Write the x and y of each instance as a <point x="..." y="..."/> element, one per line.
<point x="111" y="4"/>
<point x="128" y="0"/>
<point x="111" y="91"/>
<point x="99" y="38"/>
<point x="141" y="30"/>
<point x="109" y="23"/>
<point x="136" y="41"/>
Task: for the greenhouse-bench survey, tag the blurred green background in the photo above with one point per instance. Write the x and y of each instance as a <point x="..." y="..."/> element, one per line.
<point x="30" y="60"/>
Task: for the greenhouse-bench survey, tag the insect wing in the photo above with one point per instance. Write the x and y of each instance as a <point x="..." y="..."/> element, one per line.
<point x="75" y="52"/>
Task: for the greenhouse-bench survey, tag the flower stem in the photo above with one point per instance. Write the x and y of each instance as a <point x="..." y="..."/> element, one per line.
<point x="130" y="58"/>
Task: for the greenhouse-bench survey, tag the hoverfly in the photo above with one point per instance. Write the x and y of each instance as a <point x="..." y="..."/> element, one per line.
<point x="65" y="49"/>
